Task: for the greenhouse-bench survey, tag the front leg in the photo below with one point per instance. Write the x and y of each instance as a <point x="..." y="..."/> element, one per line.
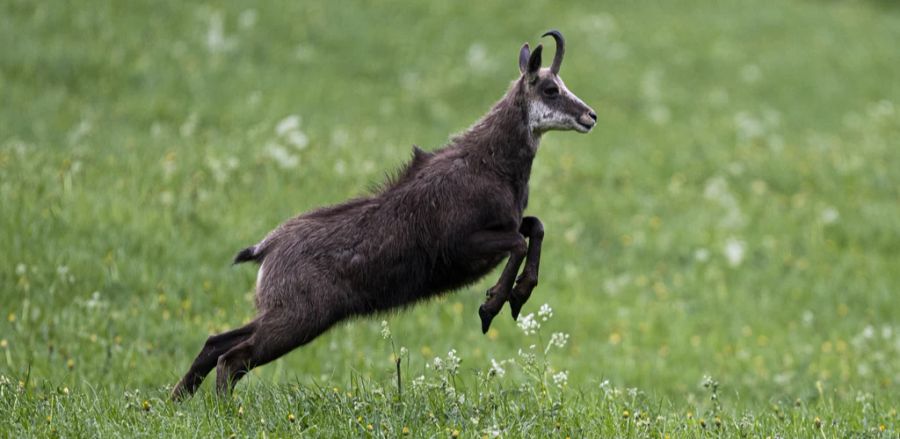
<point x="533" y="229"/>
<point x="491" y="243"/>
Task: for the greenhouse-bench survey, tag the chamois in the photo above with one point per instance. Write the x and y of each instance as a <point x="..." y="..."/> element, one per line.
<point x="444" y="221"/>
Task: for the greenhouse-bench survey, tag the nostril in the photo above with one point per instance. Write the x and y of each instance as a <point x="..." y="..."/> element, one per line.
<point x="593" y="115"/>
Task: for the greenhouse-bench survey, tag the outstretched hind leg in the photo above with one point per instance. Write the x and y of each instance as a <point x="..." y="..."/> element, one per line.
<point x="275" y="335"/>
<point x="215" y="346"/>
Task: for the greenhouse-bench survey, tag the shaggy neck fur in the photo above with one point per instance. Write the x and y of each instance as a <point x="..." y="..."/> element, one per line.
<point x="502" y="140"/>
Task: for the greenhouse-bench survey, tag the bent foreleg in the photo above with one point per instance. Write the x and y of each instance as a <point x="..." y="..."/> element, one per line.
<point x="533" y="229"/>
<point x="489" y="243"/>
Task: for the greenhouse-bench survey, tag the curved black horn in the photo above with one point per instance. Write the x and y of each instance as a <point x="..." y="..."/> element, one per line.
<point x="560" y="49"/>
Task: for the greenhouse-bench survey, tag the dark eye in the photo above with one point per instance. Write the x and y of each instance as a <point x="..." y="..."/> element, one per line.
<point x="551" y="91"/>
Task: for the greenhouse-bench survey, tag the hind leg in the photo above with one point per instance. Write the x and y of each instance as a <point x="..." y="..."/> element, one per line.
<point x="276" y="333"/>
<point x="215" y="346"/>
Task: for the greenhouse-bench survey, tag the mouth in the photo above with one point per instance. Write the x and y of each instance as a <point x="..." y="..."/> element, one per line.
<point x="582" y="127"/>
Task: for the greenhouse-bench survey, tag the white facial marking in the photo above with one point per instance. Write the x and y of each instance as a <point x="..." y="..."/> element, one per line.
<point x="543" y="118"/>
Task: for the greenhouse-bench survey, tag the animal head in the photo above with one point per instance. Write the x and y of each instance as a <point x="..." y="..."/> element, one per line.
<point x="551" y="106"/>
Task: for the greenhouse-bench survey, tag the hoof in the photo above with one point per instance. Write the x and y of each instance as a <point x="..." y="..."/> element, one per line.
<point x="515" y="307"/>
<point x="178" y="394"/>
<point x="486" y="318"/>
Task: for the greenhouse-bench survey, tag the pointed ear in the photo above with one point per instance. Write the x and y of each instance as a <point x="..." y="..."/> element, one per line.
<point x="534" y="63"/>
<point x="523" y="58"/>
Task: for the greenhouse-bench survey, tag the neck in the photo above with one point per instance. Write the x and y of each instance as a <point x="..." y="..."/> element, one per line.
<point x="503" y="138"/>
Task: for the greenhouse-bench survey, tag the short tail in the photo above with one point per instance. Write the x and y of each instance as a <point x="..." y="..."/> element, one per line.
<point x="247" y="254"/>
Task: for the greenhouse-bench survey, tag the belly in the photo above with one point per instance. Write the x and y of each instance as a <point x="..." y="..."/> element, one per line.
<point x="461" y="273"/>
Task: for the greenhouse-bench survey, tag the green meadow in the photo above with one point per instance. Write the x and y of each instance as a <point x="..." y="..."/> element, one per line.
<point x="722" y="251"/>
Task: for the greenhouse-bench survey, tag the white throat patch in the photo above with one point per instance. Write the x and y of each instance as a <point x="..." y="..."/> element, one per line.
<point x="542" y="118"/>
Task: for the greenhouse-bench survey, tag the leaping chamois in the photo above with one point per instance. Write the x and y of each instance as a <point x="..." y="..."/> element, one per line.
<point x="446" y="220"/>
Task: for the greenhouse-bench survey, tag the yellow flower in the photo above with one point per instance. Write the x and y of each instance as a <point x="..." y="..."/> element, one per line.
<point x="70" y="364"/>
<point x="881" y="427"/>
<point x="405" y="430"/>
<point x="145" y="405"/>
<point x="11" y="317"/>
<point x="291" y="417"/>
<point x="615" y="338"/>
<point x="455" y="433"/>
<point x="817" y="422"/>
<point x="370" y="427"/>
<point x="625" y="414"/>
<point x="4" y="344"/>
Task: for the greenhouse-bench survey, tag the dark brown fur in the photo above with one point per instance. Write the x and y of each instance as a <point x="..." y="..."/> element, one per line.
<point x="445" y="220"/>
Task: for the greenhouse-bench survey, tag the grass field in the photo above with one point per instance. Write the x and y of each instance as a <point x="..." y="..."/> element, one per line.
<point x="722" y="251"/>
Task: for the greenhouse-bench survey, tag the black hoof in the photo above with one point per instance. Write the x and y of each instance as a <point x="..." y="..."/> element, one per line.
<point x="486" y="318"/>
<point x="515" y="307"/>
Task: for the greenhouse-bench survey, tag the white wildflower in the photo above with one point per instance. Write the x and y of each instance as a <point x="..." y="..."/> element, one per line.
<point x="96" y="301"/>
<point x="734" y="251"/>
<point x="478" y="58"/>
<point x="282" y="156"/>
<point x="561" y="378"/>
<point x="496" y="369"/>
<point x="748" y="127"/>
<point x="829" y="215"/>
<point x="450" y="391"/>
<point x="452" y="362"/>
<point x="287" y="125"/>
<point x="385" y="330"/>
<point x="701" y="255"/>
<point x="868" y="332"/>
<point x="216" y="41"/>
<point x="545" y="312"/>
<point x="494" y="431"/>
<point x="340" y="168"/>
<point x="298" y="139"/>
<point x="527" y="357"/>
<point x="21" y="269"/>
<point x="528" y="324"/>
<point x="605" y="386"/>
<point x="808" y="317"/>
<point x="559" y="339"/>
<point x="437" y="364"/>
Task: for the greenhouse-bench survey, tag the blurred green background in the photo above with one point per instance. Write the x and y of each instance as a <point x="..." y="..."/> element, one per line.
<point x="735" y="213"/>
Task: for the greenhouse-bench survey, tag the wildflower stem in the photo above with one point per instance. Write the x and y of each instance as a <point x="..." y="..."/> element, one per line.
<point x="399" y="386"/>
